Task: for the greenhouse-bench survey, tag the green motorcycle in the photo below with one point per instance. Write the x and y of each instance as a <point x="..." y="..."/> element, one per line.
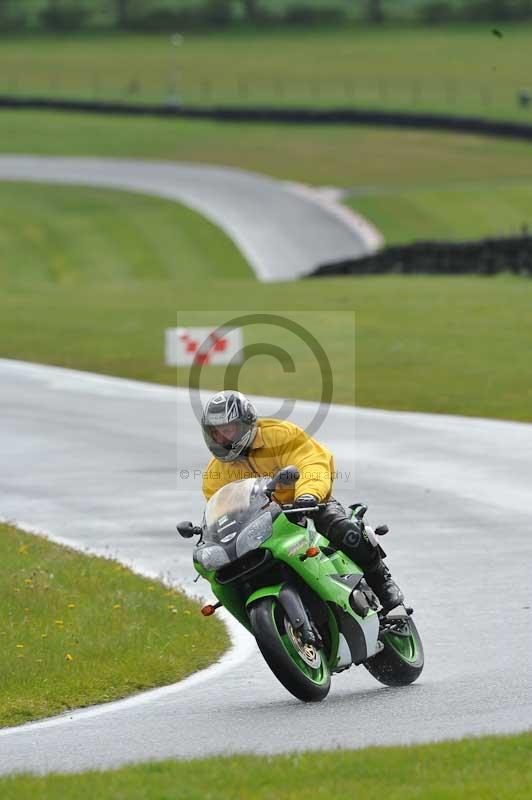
<point x="306" y="603"/>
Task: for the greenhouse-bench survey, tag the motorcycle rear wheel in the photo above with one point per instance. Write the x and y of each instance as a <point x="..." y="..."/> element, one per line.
<point x="401" y="660"/>
<point x="301" y="669"/>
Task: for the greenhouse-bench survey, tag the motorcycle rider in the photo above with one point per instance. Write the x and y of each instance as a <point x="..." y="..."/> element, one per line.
<point x="245" y="446"/>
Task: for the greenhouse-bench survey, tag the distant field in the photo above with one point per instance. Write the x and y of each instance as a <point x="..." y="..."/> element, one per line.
<point x="454" y="69"/>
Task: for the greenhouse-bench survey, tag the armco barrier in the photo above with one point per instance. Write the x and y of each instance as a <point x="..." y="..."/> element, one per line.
<point x="485" y="257"/>
<point x="304" y="116"/>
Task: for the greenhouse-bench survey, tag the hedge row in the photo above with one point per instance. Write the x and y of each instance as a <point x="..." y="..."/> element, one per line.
<point x="435" y="12"/>
<point x="166" y="16"/>
<point x="184" y="15"/>
<point x="213" y="16"/>
<point x="485" y="257"/>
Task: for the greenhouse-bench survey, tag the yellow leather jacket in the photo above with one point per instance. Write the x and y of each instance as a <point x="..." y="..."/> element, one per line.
<point x="278" y="444"/>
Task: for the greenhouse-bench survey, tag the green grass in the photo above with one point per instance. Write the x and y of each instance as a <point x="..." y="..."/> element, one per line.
<point x="492" y="768"/>
<point x="63" y="612"/>
<point x="51" y="235"/>
<point x="471" y="71"/>
<point x="468" y="211"/>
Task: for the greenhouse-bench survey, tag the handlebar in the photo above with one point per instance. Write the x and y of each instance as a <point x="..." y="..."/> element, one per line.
<point x="289" y="508"/>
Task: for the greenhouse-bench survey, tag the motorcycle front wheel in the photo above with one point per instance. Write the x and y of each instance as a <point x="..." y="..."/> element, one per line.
<point x="301" y="668"/>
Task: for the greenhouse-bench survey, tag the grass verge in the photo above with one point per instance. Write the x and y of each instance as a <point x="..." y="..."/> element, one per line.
<point x="448" y="212"/>
<point x="492" y="768"/>
<point x="57" y="236"/>
<point x="457" y="345"/>
<point x="63" y="612"/>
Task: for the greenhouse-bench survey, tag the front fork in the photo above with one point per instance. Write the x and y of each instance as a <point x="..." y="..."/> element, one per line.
<point x="292" y="604"/>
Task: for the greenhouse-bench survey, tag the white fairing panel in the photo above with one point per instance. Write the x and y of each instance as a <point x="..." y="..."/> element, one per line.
<point x="344" y="653"/>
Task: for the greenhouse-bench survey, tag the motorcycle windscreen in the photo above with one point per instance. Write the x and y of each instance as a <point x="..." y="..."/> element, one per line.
<point x="232" y="507"/>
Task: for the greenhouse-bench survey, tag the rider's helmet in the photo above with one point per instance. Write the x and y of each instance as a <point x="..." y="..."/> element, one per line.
<point x="229" y="425"/>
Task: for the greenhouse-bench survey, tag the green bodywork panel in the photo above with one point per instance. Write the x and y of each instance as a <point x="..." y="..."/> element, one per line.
<point x="266" y="591"/>
<point x="288" y="543"/>
<point x="232" y="601"/>
<point x="227" y="595"/>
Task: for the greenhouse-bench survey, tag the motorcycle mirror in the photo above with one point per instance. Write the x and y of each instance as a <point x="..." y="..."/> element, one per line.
<point x="286" y="477"/>
<point x="359" y="510"/>
<point x="187" y="530"/>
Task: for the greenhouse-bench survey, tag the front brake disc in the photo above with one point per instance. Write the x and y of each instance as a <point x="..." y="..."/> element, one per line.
<point x="307" y="652"/>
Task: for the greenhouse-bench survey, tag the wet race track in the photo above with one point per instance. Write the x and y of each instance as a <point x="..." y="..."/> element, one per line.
<point x="95" y="462"/>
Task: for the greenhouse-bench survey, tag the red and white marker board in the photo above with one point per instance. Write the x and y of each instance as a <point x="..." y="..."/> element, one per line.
<point x="205" y="346"/>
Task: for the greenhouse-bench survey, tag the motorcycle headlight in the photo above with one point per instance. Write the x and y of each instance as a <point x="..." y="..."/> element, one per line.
<point x="254" y="534"/>
<point x="211" y="557"/>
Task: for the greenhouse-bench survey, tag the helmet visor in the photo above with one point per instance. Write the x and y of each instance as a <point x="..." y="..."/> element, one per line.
<point x="225" y="435"/>
<point x="227" y="441"/>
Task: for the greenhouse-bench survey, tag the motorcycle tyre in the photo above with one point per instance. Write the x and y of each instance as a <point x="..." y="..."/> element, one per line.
<point x="282" y="665"/>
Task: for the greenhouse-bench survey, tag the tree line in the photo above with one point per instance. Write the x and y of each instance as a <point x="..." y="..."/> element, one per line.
<point x="167" y="15"/>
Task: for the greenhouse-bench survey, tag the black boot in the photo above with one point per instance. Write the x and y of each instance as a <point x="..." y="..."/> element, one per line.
<point x="379" y="579"/>
<point x="351" y="537"/>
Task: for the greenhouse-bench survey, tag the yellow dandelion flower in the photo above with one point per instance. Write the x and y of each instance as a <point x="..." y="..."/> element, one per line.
<point x="28" y="581"/>
<point x="44" y="635"/>
<point x="151" y="588"/>
<point x="71" y="605"/>
<point x="59" y="622"/>
<point x="69" y="657"/>
<point x="187" y="611"/>
<point x="117" y="605"/>
<point x="20" y="646"/>
<point x="23" y="549"/>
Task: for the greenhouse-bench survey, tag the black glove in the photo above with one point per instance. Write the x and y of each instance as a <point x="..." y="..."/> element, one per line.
<point x="305" y="501"/>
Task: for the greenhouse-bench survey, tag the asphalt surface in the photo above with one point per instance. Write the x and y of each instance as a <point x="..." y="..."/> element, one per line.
<point x="284" y="230"/>
<point x="96" y="460"/>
